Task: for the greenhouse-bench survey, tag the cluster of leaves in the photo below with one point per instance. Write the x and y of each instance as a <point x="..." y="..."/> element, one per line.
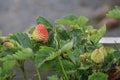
<point x="67" y="52"/>
<point x="115" y="13"/>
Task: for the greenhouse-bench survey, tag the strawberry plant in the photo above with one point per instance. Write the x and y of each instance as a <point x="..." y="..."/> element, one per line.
<point x="70" y="49"/>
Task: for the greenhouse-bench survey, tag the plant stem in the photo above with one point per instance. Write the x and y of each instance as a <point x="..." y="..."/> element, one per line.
<point x="21" y="66"/>
<point x="63" y="69"/>
<point x="38" y="73"/>
<point x="24" y="72"/>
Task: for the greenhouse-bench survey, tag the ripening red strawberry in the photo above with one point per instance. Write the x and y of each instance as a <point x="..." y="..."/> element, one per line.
<point x="40" y="33"/>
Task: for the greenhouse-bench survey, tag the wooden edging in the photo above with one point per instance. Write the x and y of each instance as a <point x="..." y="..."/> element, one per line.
<point x="110" y="40"/>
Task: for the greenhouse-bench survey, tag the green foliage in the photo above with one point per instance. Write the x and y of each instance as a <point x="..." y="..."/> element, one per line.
<point x="19" y="55"/>
<point x="67" y="20"/>
<point x="72" y="20"/>
<point x="42" y="20"/>
<point x="98" y="76"/>
<point x="48" y="53"/>
<point x="97" y="36"/>
<point x="67" y="46"/>
<point x="115" y="13"/>
<point x="102" y="31"/>
<point x="48" y="65"/>
<point x="31" y="30"/>
<point x="44" y="54"/>
<point x="69" y="67"/>
<point x="67" y="53"/>
<point x="7" y="66"/>
<point x="6" y="69"/>
<point x="70" y="17"/>
<point x="71" y="56"/>
<point x="82" y="21"/>
<point x="53" y="77"/>
<point x="22" y="39"/>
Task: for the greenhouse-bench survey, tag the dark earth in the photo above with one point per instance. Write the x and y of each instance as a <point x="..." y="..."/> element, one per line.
<point x="20" y="15"/>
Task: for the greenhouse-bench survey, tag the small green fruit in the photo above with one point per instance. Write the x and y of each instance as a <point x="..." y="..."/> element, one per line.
<point x="83" y="57"/>
<point x="97" y="56"/>
<point x="93" y="31"/>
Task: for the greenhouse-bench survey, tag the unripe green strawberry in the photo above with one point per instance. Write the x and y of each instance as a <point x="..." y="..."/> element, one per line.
<point x="8" y="44"/>
<point x="103" y="50"/>
<point x="93" y="31"/>
<point x="40" y="33"/>
<point x="83" y="57"/>
<point x="97" y="56"/>
<point x="64" y="55"/>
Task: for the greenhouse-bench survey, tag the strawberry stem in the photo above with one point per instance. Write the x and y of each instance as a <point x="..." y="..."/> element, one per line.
<point x="24" y="73"/>
<point x="21" y="65"/>
<point x="38" y="74"/>
<point x="37" y="71"/>
<point x="62" y="67"/>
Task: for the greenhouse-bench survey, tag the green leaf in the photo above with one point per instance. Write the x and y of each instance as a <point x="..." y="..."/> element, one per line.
<point x="19" y="55"/>
<point x="82" y="21"/>
<point x="7" y="51"/>
<point x="84" y="67"/>
<point x="102" y="31"/>
<point x="8" y="66"/>
<point x="77" y="53"/>
<point x="44" y="54"/>
<point x="108" y="62"/>
<point x="22" y="39"/>
<point x="48" y="53"/>
<point x="68" y="66"/>
<point x="76" y="34"/>
<point x="63" y="35"/>
<point x="115" y="13"/>
<point x="67" y="20"/>
<point x="23" y="54"/>
<point x="71" y="56"/>
<point x="98" y="76"/>
<point x="117" y="55"/>
<point x="6" y="69"/>
<point x="31" y="30"/>
<point x="53" y="77"/>
<point x="66" y="47"/>
<point x="96" y="37"/>
<point x="51" y="38"/>
<point x="42" y="20"/>
<point x="0" y="72"/>
<point x="47" y="66"/>
<point x="70" y="17"/>
<point x="64" y="21"/>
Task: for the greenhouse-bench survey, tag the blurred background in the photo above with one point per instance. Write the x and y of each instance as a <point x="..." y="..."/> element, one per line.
<point x="19" y="15"/>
